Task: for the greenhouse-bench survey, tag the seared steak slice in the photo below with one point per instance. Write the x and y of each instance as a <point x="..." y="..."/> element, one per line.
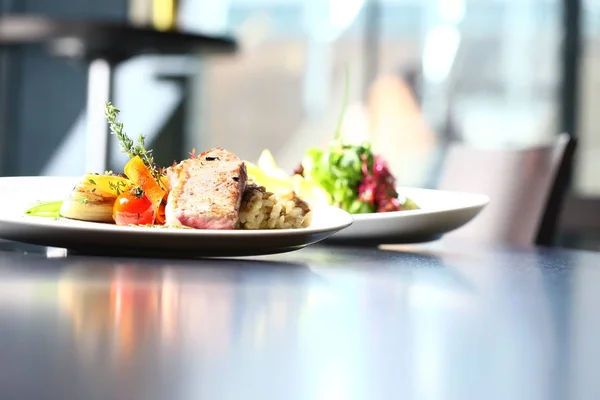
<point x="206" y="191"/>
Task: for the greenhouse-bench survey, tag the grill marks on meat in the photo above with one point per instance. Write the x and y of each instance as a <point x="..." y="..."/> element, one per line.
<point x="206" y="191"/>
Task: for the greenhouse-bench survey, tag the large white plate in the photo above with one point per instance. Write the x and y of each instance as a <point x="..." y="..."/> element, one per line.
<point x="441" y="212"/>
<point x="19" y="193"/>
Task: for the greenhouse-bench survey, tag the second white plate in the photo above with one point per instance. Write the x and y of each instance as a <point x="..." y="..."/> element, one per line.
<point x="441" y="212"/>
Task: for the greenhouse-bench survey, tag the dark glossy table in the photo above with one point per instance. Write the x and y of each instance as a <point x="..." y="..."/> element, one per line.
<point x="432" y="322"/>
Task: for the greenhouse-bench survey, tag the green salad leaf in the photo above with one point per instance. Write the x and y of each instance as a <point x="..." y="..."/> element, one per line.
<point x="338" y="169"/>
<point x="409" y="204"/>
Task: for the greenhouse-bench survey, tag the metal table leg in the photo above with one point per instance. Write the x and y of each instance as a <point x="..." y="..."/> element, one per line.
<point x="100" y="82"/>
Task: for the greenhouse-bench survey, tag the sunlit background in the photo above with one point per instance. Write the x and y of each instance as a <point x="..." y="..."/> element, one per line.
<point x="423" y="73"/>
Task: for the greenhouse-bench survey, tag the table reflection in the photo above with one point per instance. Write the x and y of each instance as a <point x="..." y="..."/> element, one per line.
<point x="314" y="324"/>
<point x="124" y="305"/>
<point x="116" y="307"/>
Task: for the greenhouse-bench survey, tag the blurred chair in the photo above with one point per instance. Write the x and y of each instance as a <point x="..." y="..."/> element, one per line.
<point x="526" y="189"/>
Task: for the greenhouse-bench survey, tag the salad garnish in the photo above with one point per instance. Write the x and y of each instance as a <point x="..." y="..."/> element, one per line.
<point x="346" y="175"/>
<point x="357" y="180"/>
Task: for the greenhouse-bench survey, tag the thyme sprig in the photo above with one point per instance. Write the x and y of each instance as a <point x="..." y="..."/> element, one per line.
<point x="128" y="145"/>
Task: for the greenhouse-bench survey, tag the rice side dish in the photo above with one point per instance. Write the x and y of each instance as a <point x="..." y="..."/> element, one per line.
<point x="265" y="210"/>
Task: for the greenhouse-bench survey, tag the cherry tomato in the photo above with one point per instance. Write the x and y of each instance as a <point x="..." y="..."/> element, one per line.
<point x="133" y="208"/>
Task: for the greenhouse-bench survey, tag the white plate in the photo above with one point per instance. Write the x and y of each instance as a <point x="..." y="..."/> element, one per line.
<point x="441" y="212"/>
<point x="18" y="194"/>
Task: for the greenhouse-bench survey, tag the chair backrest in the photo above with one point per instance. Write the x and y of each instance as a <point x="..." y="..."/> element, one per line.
<point x="526" y="189"/>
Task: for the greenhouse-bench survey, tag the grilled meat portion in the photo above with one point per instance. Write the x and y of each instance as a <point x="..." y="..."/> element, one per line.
<point x="206" y="191"/>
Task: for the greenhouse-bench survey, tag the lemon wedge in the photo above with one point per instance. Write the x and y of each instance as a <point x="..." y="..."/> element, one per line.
<point x="266" y="162"/>
<point x="310" y="190"/>
<point x="268" y="174"/>
<point x="272" y="183"/>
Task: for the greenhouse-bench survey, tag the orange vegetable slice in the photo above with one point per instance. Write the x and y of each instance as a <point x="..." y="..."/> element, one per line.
<point x="160" y="215"/>
<point x="141" y="176"/>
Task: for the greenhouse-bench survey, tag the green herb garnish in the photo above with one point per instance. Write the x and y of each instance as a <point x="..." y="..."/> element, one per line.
<point x="127" y="144"/>
<point x="49" y="209"/>
<point x="138" y="192"/>
<point x="117" y="187"/>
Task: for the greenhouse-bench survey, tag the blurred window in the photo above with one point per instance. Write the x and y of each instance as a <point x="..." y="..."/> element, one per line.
<point x="421" y="73"/>
<point x="587" y="168"/>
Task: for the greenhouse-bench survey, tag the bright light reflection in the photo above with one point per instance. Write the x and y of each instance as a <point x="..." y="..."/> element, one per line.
<point x="56" y="252"/>
<point x="441" y="46"/>
<point x="329" y="336"/>
<point x="427" y="305"/>
<point x="355" y="128"/>
<point x="343" y="12"/>
<point x="451" y="11"/>
<point x="333" y="385"/>
<point x="326" y="21"/>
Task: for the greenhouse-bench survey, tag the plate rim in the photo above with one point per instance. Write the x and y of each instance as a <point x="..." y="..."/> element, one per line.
<point x="479" y="201"/>
<point x="484" y="200"/>
<point x="33" y="221"/>
<point x="343" y="220"/>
